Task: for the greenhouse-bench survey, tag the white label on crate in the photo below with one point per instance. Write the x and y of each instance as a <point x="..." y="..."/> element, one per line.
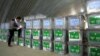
<point x="15" y="42"/>
<point x="58" y="38"/>
<point x="50" y="45"/>
<point x="21" y="44"/>
<point x="33" y="47"/>
<point x="97" y="26"/>
<point x="4" y="40"/>
<point x="44" y="49"/>
<point x="28" y="46"/>
<point x="74" y="39"/>
<point x="46" y="37"/>
<point x="35" y="37"/>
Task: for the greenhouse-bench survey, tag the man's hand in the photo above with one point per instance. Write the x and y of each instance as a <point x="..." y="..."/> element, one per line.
<point x="20" y="27"/>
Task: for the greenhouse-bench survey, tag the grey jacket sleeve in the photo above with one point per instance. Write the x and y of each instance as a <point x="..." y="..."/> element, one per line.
<point x="11" y="26"/>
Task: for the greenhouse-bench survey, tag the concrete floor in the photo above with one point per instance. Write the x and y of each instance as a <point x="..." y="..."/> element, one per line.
<point x="23" y="51"/>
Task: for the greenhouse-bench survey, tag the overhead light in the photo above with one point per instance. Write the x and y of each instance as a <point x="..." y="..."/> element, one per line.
<point x="73" y="11"/>
<point x="81" y="10"/>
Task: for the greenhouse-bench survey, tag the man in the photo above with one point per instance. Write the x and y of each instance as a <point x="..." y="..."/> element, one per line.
<point x="14" y="26"/>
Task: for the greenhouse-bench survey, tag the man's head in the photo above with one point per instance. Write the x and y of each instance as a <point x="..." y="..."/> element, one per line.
<point x="18" y="18"/>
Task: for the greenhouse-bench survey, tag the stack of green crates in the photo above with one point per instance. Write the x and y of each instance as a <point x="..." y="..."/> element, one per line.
<point x="0" y="35"/>
<point x="16" y="37"/>
<point x="47" y="40"/>
<point x="74" y="46"/>
<point x="21" y="41"/>
<point x="5" y="32"/>
<point x="27" y="38"/>
<point x="59" y="41"/>
<point x="36" y="39"/>
<point x="94" y="39"/>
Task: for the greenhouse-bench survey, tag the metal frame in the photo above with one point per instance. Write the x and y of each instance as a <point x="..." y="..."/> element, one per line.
<point x="30" y="23"/>
<point x="65" y="37"/>
<point x="80" y="19"/>
<point x="40" y="33"/>
<point x="65" y="23"/>
<point x="28" y="37"/>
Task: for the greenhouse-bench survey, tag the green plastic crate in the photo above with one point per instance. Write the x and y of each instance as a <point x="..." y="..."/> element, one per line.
<point x="27" y="42"/>
<point x="58" y="47"/>
<point x="94" y="36"/>
<point x="94" y="51"/>
<point x="36" y="33"/>
<point x="4" y="37"/>
<point x="21" y="41"/>
<point x="46" y="34"/>
<point x="27" y="37"/>
<point x="74" y="49"/>
<point x="36" y="44"/>
<point x="46" y="45"/>
<point x="27" y="33"/>
<point x="58" y="35"/>
<point x="0" y="35"/>
<point x="74" y="35"/>
<point x="94" y="20"/>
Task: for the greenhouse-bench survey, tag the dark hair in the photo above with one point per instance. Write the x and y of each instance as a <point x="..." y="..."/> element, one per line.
<point x="12" y="19"/>
<point x="18" y="17"/>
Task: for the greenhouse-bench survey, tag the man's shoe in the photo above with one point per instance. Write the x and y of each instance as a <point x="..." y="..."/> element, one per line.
<point x="9" y="45"/>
